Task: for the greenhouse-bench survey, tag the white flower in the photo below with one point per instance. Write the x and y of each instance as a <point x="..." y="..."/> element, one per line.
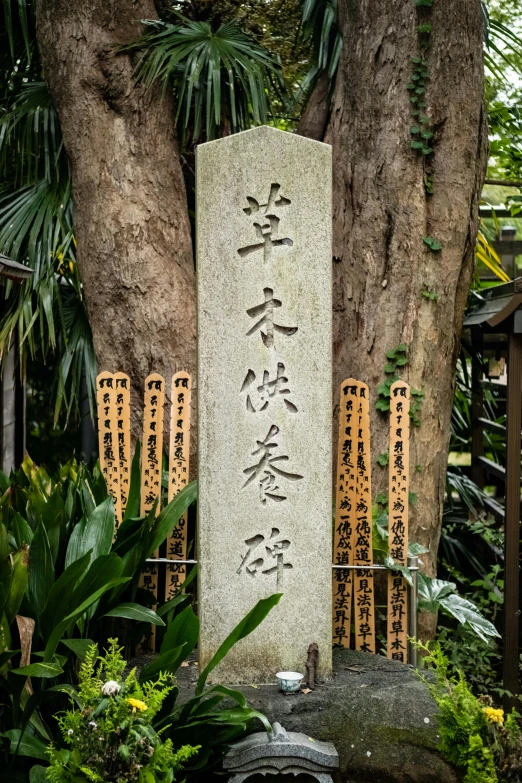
<point x="111" y="688"/>
<point x="93" y="724"/>
<point x="70" y="732"/>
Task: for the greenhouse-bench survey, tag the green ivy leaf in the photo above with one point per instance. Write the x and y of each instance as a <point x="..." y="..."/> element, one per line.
<point x="417" y="145"/>
<point x="424" y="28"/>
<point x="382" y="405"/>
<point x="383" y="459"/>
<point x="402" y="361"/>
<point x="432" y="243"/>
<point x="415" y="129"/>
<point x="420" y="90"/>
<point x="389" y="367"/>
<point x="383" y="389"/>
<point x="402" y="348"/>
<point x="391" y="354"/>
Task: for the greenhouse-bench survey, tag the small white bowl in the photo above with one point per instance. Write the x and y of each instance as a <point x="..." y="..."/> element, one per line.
<point x="289" y="682"/>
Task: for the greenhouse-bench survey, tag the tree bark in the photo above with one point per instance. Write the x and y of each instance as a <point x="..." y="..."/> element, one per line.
<point x="131" y="219"/>
<point x="382" y="213"/>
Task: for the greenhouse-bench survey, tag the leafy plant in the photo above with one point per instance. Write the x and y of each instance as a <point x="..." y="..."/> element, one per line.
<point x="77" y="576"/>
<point x="221" y="78"/>
<point x="474" y="736"/>
<point x="434" y="244"/>
<point x="436" y="594"/>
<point x="110" y="734"/>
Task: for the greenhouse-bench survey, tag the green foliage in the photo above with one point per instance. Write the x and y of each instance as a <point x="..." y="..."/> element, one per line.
<point x="429" y="294"/>
<point x="63" y="569"/>
<point x="221" y="78"/>
<point x="383" y="459"/>
<point x="111" y="735"/>
<point x="434" y="244"/>
<point x="319" y="26"/>
<point x="422" y="132"/>
<point x="435" y="595"/>
<point x="474" y="736"/>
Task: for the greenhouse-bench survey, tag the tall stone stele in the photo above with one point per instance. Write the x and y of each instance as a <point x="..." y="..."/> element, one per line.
<point x="264" y="399"/>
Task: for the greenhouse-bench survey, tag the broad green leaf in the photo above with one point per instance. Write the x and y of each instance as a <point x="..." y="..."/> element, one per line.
<point x="182" y="631"/>
<point x="19" y="579"/>
<point x="431" y="591"/>
<point x="165" y="662"/>
<point x="62" y="594"/>
<point x="38" y="774"/>
<point x="21" y="530"/>
<point x="167" y="519"/>
<point x="132" y="508"/>
<point x="389" y="562"/>
<point x="135" y="612"/>
<point x="78" y="646"/>
<point x="26" y="745"/>
<point x="94" y="534"/>
<point x="248" y="624"/>
<point x="44" y="670"/>
<point x="68" y="621"/>
<point x="466" y="612"/>
<point x="41" y="570"/>
<point x="6" y="656"/>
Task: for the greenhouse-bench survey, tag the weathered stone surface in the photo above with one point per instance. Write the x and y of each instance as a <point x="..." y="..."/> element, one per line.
<point x="264" y="398"/>
<point x="377" y="713"/>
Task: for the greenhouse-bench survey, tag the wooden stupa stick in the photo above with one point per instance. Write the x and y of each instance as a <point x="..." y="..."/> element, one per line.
<point x="179" y="458"/>
<point x="151" y="469"/>
<point x="122" y="392"/>
<point x="398" y="492"/>
<point x="345" y="505"/>
<point x="108" y="437"/>
<point x="363" y="548"/>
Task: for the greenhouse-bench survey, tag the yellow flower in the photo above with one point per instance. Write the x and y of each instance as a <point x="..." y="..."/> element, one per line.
<point x="136" y="704"/>
<point x="493" y="715"/>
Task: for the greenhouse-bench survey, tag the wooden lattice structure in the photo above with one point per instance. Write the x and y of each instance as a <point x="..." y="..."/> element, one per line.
<point x="494" y="322"/>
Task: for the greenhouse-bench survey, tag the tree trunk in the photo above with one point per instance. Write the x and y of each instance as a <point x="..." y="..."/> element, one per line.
<point x="131" y="219"/>
<point x="382" y="212"/>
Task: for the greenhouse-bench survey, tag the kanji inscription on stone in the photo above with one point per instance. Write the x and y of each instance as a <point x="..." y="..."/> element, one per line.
<point x="264" y="398"/>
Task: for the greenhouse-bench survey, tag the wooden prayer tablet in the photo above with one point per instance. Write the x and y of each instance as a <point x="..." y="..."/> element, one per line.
<point x="345" y="506"/>
<point x="363" y="547"/>
<point x="122" y="392"/>
<point x="108" y="437"/>
<point x="179" y="457"/>
<point x="399" y="477"/>
<point x="151" y="469"/>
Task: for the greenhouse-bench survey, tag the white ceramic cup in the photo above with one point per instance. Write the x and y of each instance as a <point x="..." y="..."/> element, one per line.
<point x="289" y="682"/>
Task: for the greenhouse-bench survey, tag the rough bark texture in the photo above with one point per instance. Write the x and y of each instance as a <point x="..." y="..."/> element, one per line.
<point x="131" y="219"/>
<point x="382" y="213"/>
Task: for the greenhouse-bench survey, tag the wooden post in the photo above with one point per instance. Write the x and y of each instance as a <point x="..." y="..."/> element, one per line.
<point x="108" y="437"/>
<point x="477" y="407"/>
<point x="122" y="390"/>
<point x="399" y="477"/>
<point x="345" y="510"/>
<point x="363" y="548"/>
<point x="179" y="456"/>
<point x="151" y="469"/>
<point x="512" y="525"/>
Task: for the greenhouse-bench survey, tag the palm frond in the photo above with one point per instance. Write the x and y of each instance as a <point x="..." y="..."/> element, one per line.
<point x="222" y="79"/>
<point x="319" y="26"/>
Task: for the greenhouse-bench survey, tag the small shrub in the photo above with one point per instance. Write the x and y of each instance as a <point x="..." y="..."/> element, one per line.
<point x="109" y="735"/>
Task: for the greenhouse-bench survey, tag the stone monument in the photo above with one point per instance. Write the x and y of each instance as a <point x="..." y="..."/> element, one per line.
<point x="264" y="399"/>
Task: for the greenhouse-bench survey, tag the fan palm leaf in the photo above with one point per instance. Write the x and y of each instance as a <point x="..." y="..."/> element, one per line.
<point x="222" y="79"/>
